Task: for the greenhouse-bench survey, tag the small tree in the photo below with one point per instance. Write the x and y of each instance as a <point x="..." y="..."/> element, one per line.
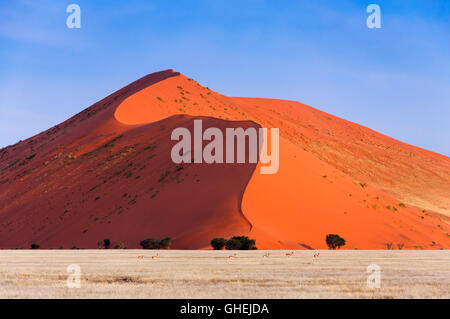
<point x="218" y="243"/>
<point x="334" y="241"/>
<point x="107" y="242"/>
<point x="35" y="246"/>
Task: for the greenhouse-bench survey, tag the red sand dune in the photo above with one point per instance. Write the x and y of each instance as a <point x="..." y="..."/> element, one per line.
<point x="107" y="173"/>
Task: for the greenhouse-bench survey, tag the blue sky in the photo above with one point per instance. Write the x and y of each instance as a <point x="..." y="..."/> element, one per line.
<point x="395" y="80"/>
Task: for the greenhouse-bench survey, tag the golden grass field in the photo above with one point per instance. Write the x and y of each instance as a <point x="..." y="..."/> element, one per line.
<point x="211" y="274"/>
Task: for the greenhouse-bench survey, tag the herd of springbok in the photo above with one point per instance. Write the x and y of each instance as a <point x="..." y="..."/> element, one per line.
<point x="266" y="255"/>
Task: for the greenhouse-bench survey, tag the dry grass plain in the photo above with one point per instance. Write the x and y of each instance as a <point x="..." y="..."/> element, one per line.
<point x="211" y="274"/>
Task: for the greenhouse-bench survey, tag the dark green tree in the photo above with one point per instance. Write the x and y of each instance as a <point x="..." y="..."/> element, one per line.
<point x="334" y="241"/>
<point x="233" y="244"/>
<point x="246" y="243"/>
<point x="151" y="243"/>
<point x="218" y="243"/>
<point x="240" y="243"/>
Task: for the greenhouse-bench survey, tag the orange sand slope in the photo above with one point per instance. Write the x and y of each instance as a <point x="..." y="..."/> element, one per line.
<point x="107" y="173"/>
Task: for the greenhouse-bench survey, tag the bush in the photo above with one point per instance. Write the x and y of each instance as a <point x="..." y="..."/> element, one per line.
<point x="334" y="241"/>
<point x="165" y="243"/>
<point x="104" y="244"/>
<point x="391" y="208"/>
<point x="218" y="243"/>
<point x="35" y="246"/>
<point x="240" y="243"/>
<point x="119" y="245"/>
<point x="151" y="243"/>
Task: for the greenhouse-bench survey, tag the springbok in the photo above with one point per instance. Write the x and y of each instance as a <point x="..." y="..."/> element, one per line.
<point x="266" y="255"/>
<point x="155" y="256"/>
<point x="232" y="256"/>
<point x="140" y="257"/>
<point x="289" y="254"/>
<point x="316" y="255"/>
